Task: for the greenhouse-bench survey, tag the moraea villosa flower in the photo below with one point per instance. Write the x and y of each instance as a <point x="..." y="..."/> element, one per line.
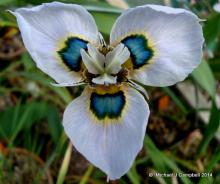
<point x="153" y="45"/>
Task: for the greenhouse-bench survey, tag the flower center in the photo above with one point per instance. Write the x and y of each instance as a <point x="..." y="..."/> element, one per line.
<point x="104" y="65"/>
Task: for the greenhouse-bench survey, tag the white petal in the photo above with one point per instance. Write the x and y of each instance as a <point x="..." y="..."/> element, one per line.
<point x="110" y="144"/>
<point x="115" y="58"/>
<point x="174" y="35"/>
<point x="217" y="7"/>
<point x="92" y="64"/>
<point x="46" y="28"/>
<point x="105" y="79"/>
<point x="98" y="57"/>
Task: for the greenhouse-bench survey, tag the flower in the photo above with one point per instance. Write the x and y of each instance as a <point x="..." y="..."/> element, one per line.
<point x="153" y="45"/>
<point x="216" y="7"/>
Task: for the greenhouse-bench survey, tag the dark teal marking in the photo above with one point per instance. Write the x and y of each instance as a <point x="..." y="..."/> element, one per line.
<point x="140" y="52"/>
<point x="107" y="105"/>
<point x="70" y="54"/>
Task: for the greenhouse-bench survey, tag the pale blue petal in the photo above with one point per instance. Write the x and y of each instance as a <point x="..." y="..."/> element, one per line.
<point x="51" y="32"/>
<point x="111" y="134"/>
<point x="165" y="43"/>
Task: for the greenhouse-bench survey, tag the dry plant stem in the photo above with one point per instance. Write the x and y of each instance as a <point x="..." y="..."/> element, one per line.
<point x="11" y="55"/>
<point x="76" y="178"/>
<point x="10" y="68"/>
<point x="65" y="164"/>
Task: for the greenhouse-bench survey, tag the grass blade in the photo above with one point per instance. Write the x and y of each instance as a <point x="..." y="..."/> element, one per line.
<point x="85" y="177"/>
<point x="65" y="165"/>
<point x="211" y="129"/>
<point x="204" y="77"/>
<point x="161" y="162"/>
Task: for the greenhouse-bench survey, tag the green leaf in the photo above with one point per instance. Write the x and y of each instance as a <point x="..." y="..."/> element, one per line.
<point x="133" y="3"/>
<point x="212" y="30"/>
<point x="38" y="111"/>
<point x="211" y="129"/>
<point x="154" y="154"/>
<point x="204" y="77"/>
<point x="133" y="175"/>
<point x="42" y="79"/>
<point x="5" y="2"/>
<point x="104" y="20"/>
<point x="161" y="161"/>
<point x="214" y="160"/>
<point x="54" y="123"/>
<point x="215" y="66"/>
<point x="21" y="118"/>
<point x="27" y="62"/>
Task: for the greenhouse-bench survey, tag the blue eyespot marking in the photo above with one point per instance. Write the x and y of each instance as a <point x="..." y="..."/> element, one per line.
<point x="107" y="105"/>
<point x="70" y="54"/>
<point x="140" y="52"/>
